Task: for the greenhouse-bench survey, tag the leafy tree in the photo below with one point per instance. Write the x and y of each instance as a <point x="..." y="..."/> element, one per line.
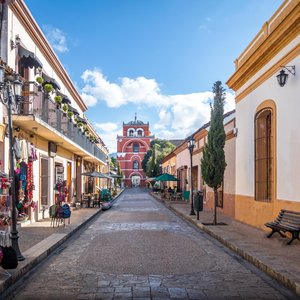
<point x="113" y="163"/>
<point x="213" y="162"/>
<point x="153" y="158"/>
<point x="120" y="173"/>
<point x="146" y="159"/>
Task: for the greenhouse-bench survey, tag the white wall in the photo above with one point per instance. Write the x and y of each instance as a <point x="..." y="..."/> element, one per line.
<point x="288" y="134"/>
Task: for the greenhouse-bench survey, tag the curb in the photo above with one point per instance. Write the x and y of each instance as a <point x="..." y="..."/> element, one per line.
<point x="30" y="263"/>
<point x="286" y="281"/>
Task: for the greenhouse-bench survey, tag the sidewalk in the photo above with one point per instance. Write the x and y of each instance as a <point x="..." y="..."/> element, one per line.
<point x="273" y="256"/>
<point x="39" y="240"/>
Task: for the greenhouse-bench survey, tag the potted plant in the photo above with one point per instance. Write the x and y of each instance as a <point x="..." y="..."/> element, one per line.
<point x="75" y="121"/>
<point x="48" y="87"/>
<point x="58" y="100"/>
<point x="70" y="114"/>
<point x="65" y="109"/>
<point x="39" y="79"/>
<point x="79" y="124"/>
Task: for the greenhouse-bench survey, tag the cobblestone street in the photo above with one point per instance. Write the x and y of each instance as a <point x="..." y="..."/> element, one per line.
<point x="141" y="250"/>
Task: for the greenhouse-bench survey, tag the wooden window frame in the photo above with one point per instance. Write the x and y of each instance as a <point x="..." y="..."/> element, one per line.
<point x="264" y="162"/>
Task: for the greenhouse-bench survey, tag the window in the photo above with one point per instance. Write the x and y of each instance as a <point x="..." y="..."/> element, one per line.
<point x="135" y="147"/>
<point x="140" y="133"/>
<point x="263" y="155"/>
<point x="44" y="179"/>
<point x="131" y="132"/>
<point x="135" y="165"/>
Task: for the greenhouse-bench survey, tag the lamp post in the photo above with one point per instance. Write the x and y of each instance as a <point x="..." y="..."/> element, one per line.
<point x="10" y="94"/>
<point x="191" y="145"/>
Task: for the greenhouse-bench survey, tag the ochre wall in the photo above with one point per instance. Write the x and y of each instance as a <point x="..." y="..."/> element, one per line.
<point x="257" y="213"/>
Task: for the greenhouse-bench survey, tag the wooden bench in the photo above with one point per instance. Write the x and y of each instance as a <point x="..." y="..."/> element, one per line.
<point x="286" y="221"/>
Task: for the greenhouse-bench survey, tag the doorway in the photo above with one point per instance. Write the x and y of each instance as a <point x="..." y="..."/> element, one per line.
<point x="135" y="180"/>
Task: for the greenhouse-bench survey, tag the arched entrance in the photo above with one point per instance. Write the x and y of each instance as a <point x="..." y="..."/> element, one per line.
<point x="135" y="180"/>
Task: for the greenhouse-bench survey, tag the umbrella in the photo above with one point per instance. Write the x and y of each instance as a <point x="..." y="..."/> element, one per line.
<point x="112" y="175"/>
<point x="166" y="177"/>
<point x="93" y="174"/>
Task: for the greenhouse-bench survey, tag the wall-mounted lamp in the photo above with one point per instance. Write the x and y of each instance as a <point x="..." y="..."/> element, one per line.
<point x="282" y="77"/>
<point x="15" y="43"/>
<point x="235" y="131"/>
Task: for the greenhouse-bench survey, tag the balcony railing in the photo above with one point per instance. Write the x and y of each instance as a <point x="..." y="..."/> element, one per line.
<point x="38" y="104"/>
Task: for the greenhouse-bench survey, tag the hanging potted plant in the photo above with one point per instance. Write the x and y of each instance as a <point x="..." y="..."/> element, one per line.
<point x="79" y="124"/>
<point x="70" y="114"/>
<point x="58" y="100"/>
<point x="75" y="122"/>
<point x="65" y="109"/>
<point x="39" y="79"/>
<point x="48" y="87"/>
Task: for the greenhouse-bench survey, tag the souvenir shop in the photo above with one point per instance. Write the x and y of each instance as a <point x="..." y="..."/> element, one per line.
<point x="25" y="156"/>
<point x="61" y="187"/>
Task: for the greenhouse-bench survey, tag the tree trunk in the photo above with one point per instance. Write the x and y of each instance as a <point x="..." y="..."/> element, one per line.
<point x="215" y="206"/>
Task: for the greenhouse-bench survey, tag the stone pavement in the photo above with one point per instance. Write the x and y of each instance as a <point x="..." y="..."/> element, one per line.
<point x="39" y="240"/>
<point x="140" y="249"/>
<point x="273" y="256"/>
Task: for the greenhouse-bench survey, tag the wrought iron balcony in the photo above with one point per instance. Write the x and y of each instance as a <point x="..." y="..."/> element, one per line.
<point x="45" y="113"/>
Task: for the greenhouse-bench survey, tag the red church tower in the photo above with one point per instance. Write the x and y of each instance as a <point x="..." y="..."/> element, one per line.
<point x="132" y="147"/>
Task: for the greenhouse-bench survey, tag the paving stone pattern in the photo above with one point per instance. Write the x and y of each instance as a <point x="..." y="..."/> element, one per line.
<point x="141" y="250"/>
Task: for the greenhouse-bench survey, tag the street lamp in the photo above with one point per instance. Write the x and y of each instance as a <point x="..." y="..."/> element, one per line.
<point x="10" y="94"/>
<point x="191" y="145"/>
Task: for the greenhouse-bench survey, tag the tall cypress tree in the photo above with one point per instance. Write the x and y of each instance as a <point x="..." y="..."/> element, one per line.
<point x="213" y="161"/>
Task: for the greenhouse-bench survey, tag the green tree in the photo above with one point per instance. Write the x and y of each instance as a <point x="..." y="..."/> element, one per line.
<point x="153" y="158"/>
<point x="113" y="163"/>
<point x="146" y="159"/>
<point x="120" y="173"/>
<point x="213" y="162"/>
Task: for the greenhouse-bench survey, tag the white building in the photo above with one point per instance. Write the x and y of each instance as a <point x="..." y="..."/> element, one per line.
<point x="267" y="118"/>
<point x="65" y="146"/>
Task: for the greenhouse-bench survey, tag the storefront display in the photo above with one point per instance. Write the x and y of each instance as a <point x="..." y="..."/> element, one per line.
<point x="25" y="155"/>
<point x="5" y="209"/>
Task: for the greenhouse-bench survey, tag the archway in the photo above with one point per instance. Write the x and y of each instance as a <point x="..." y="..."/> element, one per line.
<point x="135" y="180"/>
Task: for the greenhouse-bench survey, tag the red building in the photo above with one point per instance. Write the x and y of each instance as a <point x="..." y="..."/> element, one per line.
<point x="132" y="147"/>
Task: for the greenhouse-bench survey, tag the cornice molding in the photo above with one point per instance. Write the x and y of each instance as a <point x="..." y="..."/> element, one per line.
<point x="276" y="34"/>
<point x="270" y="72"/>
<point x="21" y="11"/>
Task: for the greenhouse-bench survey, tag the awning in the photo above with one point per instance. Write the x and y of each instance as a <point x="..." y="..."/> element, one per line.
<point x="28" y="58"/>
<point x="82" y="120"/>
<point x="65" y="99"/>
<point x="48" y="79"/>
<point x="74" y="110"/>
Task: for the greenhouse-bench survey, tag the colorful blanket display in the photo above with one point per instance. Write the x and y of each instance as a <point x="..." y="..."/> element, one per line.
<point x="25" y="155"/>
<point x="5" y="222"/>
<point x="62" y="190"/>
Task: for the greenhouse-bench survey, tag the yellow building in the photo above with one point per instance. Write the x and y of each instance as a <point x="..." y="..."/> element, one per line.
<point x="267" y="114"/>
<point x="56" y="140"/>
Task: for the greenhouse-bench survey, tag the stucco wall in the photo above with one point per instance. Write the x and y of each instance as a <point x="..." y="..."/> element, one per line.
<point x="287" y="136"/>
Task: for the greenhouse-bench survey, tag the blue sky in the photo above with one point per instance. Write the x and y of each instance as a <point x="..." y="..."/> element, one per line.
<point x="158" y="58"/>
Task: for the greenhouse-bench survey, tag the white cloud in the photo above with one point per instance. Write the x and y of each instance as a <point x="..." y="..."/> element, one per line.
<point x="89" y="99"/>
<point x="164" y="119"/>
<point x="108" y="132"/>
<point x="56" y="38"/>
<point x="108" y="126"/>
<point x="179" y="115"/>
